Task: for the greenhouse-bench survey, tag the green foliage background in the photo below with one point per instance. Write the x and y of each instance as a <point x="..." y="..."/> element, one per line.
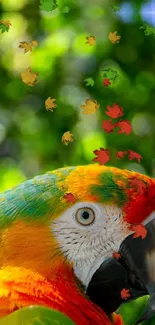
<point x="30" y="137"/>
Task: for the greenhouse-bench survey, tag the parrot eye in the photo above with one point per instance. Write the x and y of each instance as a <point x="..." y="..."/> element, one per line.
<point x="85" y="216"/>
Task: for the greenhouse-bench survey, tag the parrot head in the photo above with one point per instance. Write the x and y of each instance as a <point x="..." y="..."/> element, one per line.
<point x="78" y="217"/>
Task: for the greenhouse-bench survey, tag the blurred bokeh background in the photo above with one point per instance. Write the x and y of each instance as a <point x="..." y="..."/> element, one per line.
<point x="30" y="136"/>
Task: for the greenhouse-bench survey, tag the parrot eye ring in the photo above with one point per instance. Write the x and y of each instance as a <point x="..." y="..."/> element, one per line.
<point x="85" y="216"/>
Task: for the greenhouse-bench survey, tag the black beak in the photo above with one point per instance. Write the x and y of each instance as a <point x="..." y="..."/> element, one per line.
<point x="133" y="271"/>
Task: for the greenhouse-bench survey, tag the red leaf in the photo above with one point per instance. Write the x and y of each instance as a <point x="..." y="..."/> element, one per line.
<point x="107" y="126"/>
<point x="134" y="155"/>
<point x="125" y="294"/>
<point x="69" y="197"/>
<point x="114" y="111"/>
<point x="138" y="184"/>
<point x="121" y="154"/>
<point x="103" y="156"/>
<point x="125" y="127"/>
<point x="116" y="255"/>
<point x="140" y="231"/>
<point x="106" y="82"/>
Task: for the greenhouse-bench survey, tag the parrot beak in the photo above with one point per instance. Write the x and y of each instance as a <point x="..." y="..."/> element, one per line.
<point x="134" y="271"/>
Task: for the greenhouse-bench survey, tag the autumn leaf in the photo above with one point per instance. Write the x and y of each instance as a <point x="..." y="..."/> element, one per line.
<point x="29" y="78"/>
<point x="48" y="5"/>
<point x="109" y="73"/>
<point x="114" y="38"/>
<point x="27" y="46"/>
<point x="49" y="104"/>
<point x="116" y="255"/>
<point x="138" y="184"/>
<point x="69" y="197"/>
<point x="106" y="82"/>
<point x="90" y="107"/>
<point x="140" y="231"/>
<point x="125" y="294"/>
<point x="103" y="156"/>
<point x="91" y="40"/>
<point x="134" y="155"/>
<point x="125" y="127"/>
<point x="67" y="138"/>
<point x="114" y="111"/>
<point x="5" y="25"/>
<point x="121" y="154"/>
<point x="89" y="82"/>
<point x="107" y="126"/>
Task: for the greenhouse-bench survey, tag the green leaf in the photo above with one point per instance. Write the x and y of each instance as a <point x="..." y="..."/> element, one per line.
<point x="110" y="74"/>
<point x="65" y="10"/>
<point x="36" y="315"/>
<point x="115" y="8"/>
<point x="148" y="30"/>
<point x="4" y="28"/>
<point x="133" y="311"/>
<point x="89" y="82"/>
<point x="48" y="5"/>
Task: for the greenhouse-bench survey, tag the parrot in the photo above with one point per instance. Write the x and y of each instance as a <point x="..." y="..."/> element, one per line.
<point x="61" y="234"/>
<point x="45" y="247"/>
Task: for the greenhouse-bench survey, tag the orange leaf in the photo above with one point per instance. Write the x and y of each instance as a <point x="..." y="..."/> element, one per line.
<point x="103" y="156"/>
<point x="140" y="231"/>
<point x="125" y="294"/>
<point x="125" y="127"/>
<point x="114" y="111"/>
<point x="106" y="82"/>
<point x="134" y="155"/>
<point x="138" y="184"/>
<point x="108" y="126"/>
<point x="69" y="197"/>
<point x="116" y="255"/>
<point x="121" y="154"/>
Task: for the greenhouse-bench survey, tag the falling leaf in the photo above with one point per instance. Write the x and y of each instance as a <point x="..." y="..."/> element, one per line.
<point x="49" y="104"/>
<point x="29" y="78"/>
<point x="115" y="8"/>
<point x="140" y="231"/>
<point x="107" y="126"/>
<point x="148" y="30"/>
<point x="106" y="82"/>
<point x="116" y="255"/>
<point x="64" y="10"/>
<point x="114" y="111"/>
<point x="69" y="197"/>
<point x="89" y="82"/>
<point x="125" y="127"/>
<point x="91" y="40"/>
<point x="114" y="38"/>
<point x="5" y="25"/>
<point x="109" y="73"/>
<point x="103" y="156"/>
<point x="121" y="154"/>
<point x="134" y="155"/>
<point x="48" y="5"/>
<point x="125" y="294"/>
<point x="90" y="107"/>
<point x="27" y="46"/>
<point x="67" y="137"/>
<point x="138" y="184"/>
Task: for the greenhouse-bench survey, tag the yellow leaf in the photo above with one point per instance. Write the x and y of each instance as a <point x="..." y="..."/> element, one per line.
<point x="90" y="107"/>
<point x="6" y="23"/>
<point x="91" y="40"/>
<point x="34" y="43"/>
<point x="29" y="78"/>
<point x="114" y="38"/>
<point x="26" y="46"/>
<point x="67" y="137"/>
<point x="49" y="104"/>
